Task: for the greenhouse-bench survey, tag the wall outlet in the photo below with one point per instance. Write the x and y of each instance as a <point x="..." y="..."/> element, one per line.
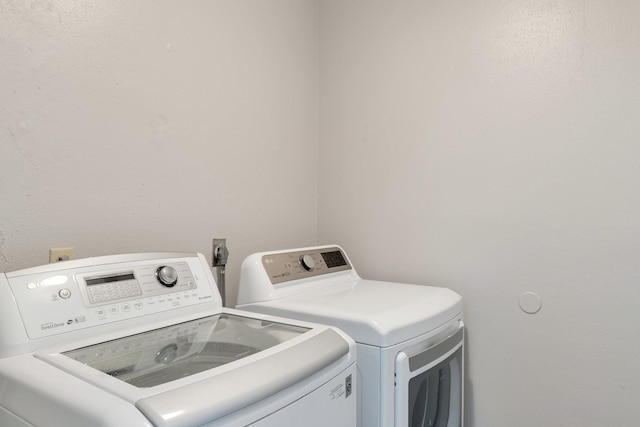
<point x="60" y="254"/>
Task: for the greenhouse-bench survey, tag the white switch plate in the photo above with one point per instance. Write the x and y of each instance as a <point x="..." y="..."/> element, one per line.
<point x="60" y="254"/>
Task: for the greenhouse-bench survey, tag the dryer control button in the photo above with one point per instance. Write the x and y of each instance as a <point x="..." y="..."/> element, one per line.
<point x="307" y="262"/>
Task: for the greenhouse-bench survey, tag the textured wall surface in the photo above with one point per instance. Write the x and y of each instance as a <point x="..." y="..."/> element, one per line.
<point x="157" y="125"/>
<point x="492" y="147"/>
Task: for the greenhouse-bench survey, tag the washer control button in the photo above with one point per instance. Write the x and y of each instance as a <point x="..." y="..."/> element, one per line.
<point x="167" y="276"/>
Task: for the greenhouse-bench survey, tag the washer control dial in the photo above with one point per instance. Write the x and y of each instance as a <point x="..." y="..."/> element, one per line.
<point x="307" y="262"/>
<point x="167" y="276"/>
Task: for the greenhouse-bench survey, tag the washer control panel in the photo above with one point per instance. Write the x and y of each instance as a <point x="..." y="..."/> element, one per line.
<point x="286" y="266"/>
<point x="145" y="281"/>
<point x="53" y="301"/>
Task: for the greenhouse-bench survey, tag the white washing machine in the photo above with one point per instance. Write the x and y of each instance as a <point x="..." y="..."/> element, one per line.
<point x="143" y="340"/>
<point x="409" y="337"/>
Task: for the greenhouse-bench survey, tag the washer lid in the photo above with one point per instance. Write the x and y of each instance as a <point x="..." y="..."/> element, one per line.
<point x="163" y="355"/>
<point x="204" y="369"/>
<point x="371" y="312"/>
<point x="214" y="397"/>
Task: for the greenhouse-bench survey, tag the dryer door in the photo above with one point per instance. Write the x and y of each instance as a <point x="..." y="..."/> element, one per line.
<point x="429" y="384"/>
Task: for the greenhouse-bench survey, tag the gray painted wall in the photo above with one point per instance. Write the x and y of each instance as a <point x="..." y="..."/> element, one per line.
<point x="492" y="147"/>
<point x="157" y="125"/>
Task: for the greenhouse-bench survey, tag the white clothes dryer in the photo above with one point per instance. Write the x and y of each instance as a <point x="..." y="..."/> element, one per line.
<point x="410" y="338"/>
<point x="142" y="340"/>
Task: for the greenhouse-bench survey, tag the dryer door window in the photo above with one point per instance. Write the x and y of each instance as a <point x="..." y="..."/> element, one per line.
<point x="429" y="385"/>
<point x="430" y="395"/>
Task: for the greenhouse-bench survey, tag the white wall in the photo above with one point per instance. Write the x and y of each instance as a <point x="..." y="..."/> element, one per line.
<point x="157" y="125"/>
<point x="486" y="146"/>
<point x="493" y="147"/>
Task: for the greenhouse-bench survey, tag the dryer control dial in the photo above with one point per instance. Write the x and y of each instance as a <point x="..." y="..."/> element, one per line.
<point x="307" y="262"/>
<point x="167" y="276"/>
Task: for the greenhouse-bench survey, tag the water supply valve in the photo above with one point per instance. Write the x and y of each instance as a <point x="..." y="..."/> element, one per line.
<point x="219" y="256"/>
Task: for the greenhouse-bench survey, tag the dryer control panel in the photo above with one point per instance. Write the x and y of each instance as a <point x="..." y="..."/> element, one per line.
<point x="286" y="266"/>
<point x="79" y="294"/>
